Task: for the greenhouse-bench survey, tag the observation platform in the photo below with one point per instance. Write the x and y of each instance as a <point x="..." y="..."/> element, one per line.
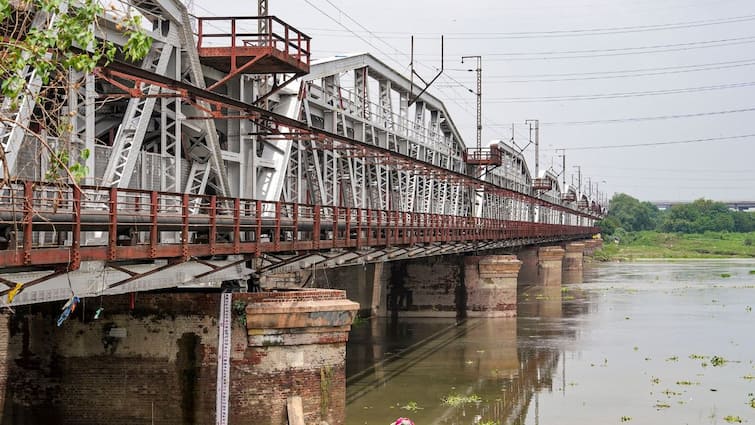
<point x="236" y="44"/>
<point x="483" y="156"/>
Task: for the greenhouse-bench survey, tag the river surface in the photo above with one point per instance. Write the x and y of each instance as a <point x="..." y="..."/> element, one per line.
<point x="661" y="342"/>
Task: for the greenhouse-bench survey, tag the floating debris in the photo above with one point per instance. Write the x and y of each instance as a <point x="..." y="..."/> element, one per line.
<point x="456" y="400"/>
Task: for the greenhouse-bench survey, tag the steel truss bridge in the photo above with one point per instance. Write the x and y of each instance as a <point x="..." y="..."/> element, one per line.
<point x="229" y="153"/>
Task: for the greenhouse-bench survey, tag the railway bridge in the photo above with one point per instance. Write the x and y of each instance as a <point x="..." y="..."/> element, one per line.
<point x="227" y="160"/>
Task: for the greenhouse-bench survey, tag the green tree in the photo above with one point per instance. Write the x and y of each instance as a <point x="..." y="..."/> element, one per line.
<point x="698" y="217"/>
<point x="42" y="44"/>
<point x="630" y="214"/>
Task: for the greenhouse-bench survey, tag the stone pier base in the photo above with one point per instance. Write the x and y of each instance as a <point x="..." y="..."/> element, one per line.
<point x="491" y="285"/>
<point x="549" y="265"/>
<point x="296" y="347"/>
<point x="573" y="256"/>
<point x="592" y="245"/>
<point x="153" y="357"/>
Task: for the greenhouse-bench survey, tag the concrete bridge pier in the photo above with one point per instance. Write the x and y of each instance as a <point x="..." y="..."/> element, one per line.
<point x="573" y="263"/>
<point x="296" y="347"/>
<point x="491" y="283"/>
<point x="541" y="265"/>
<point x="549" y="265"/>
<point x="153" y="358"/>
<point x="592" y="245"/>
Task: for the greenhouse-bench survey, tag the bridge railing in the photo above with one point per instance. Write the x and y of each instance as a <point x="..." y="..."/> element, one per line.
<point x="50" y="225"/>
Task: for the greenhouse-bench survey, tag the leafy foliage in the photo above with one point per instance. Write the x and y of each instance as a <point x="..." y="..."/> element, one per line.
<point x="56" y="41"/>
<point x="627" y="214"/>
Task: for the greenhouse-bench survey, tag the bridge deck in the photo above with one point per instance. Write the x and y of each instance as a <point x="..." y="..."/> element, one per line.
<point x="145" y="225"/>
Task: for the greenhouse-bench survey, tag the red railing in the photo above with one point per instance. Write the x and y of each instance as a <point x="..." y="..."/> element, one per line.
<point x="237" y="33"/>
<point x="45" y="224"/>
<point x="483" y="156"/>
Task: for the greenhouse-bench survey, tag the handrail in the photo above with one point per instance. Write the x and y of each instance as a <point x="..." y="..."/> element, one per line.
<point x="280" y="36"/>
<point x="134" y="224"/>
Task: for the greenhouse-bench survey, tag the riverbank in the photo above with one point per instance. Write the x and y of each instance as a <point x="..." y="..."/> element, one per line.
<point x="651" y="244"/>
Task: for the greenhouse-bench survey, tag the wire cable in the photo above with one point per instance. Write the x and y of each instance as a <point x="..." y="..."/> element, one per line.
<point x="642" y="145"/>
<point x="602" y="96"/>
<point x="572" y="32"/>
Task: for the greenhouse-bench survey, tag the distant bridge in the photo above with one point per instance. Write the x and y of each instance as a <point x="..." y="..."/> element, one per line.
<point x="733" y="205"/>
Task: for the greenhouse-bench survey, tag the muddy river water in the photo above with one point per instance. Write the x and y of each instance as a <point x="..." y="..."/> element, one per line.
<point x="661" y="342"/>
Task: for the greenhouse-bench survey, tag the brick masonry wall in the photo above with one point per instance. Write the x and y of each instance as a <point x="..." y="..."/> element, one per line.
<point x="157" y="362"/>
<point x="316" y="373"/>
<point x="435" y="283"/>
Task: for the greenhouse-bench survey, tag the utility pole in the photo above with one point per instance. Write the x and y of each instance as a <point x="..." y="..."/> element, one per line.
<point x="563" y="168"/>
<point x="537" y="143"/>
<point x="262" y="10"/>
<point x="579" y="178"/>
<point x="479" y="99"/>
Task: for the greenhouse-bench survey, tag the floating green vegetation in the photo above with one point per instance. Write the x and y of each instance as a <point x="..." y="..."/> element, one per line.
<point x="359" y="321"/>
<point x="457" y="400"/>
<point x="635" y="348"/>
<point x="660" y="406"/>
<point x="626" y="318"/>
<point x="752" y="271"/>
<point x="748" y="308"/>
<point x="687" y="383"/>
<point x="752" y="401"/>
<point x="725" y="275"/>
<point x="697" y="357"/>
<point x="411" y="406"/>
<point x="669" y="393"/>
<point x="655" y="380"/>
<point x="673" y="359"/>
<point x="488" y="422"/>
<point x="626" y="418"/>
<point x="748" y="377"/>
<point x="733" y="419"/>
<point x="565" y="289"/>
<point x="718" y="361"/>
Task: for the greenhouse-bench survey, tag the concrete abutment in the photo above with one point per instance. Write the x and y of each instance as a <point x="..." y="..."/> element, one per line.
<point x="153" y="357"/>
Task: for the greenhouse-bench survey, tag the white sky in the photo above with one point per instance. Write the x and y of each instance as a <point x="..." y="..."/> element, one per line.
<point x="720" y="169"/>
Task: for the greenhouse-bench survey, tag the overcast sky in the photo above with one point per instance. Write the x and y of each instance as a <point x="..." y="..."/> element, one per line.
<point x="648" y="71"/>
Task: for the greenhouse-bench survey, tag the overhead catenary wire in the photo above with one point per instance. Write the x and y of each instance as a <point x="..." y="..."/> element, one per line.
<point x="613" y="75"/>
<point x="638" y="119"/>
<point x="566" y="33"/>
<point x="600" y="96"/>
<point x="662" y="143"/>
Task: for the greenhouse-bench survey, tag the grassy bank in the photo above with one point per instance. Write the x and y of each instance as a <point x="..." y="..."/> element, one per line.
<point x="651" y="244"/>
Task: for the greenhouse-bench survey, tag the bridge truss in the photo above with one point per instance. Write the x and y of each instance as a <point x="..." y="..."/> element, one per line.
<point x="196" y="181"/>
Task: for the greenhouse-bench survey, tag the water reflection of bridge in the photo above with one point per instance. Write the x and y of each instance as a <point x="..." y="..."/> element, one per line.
<point x="505" y="362"/>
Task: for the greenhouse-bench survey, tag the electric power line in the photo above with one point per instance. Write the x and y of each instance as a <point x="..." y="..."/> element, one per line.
<point x="675" y="142"/>
<point x="601" y="96"/>
<point x="568" y="33"/>
<point x="680" y="70"/>
<point x="637" y="119"/>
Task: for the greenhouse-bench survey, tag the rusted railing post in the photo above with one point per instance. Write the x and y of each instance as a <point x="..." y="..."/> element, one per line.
<point x="153" y="211"/>
<point x="213" y="223"/>
<point x="76" y="230"/>
<point x="316" y="228"/>
<point x="185" y="227"/>
<point x="236" y="225"/>
<point x="112" y="224"/>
